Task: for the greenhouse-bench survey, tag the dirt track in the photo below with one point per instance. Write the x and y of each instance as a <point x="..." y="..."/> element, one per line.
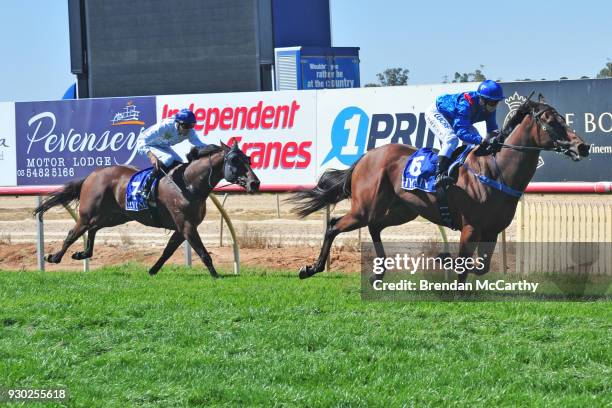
<point x="265" y="239"/>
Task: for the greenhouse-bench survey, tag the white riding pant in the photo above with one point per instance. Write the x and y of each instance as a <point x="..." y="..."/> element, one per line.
<point x="166" y="155"/>
<point x="443" y="131"/>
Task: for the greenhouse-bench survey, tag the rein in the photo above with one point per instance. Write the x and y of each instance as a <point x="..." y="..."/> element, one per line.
<point x="211" y="172"/>
<point x="557" y="146"/>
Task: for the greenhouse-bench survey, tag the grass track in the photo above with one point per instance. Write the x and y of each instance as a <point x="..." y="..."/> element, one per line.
<point x="117" y="337"/>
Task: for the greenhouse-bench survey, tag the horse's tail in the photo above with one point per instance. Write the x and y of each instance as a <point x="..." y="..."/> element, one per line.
<point x="69" y="193"/>
<point x="333" y="187"/>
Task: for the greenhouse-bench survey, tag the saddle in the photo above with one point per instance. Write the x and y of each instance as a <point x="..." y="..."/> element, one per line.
<point x="134" y="201"/>
<point x="419" y="174"/>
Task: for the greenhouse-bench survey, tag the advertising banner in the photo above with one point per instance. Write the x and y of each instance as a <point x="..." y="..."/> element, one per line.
<point x="291" y="136"/>
<point x="586" y="106"/>
<point x="352" y="121"/>
<point x="61" y="141"/>
<point x="8" y="152"/>
<point x="277" y="129"/>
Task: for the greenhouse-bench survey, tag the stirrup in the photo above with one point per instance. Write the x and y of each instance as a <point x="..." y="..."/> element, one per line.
<point x="444" y="181"/>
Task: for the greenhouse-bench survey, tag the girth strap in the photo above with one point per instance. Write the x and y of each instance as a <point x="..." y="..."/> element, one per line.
<point x="442" y="200"/>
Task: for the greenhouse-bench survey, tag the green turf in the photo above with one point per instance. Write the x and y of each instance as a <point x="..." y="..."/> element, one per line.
<point x="117" y="337"/>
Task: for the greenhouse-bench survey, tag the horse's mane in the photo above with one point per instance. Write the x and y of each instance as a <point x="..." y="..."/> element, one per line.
<point x="517" y="116"/>
<point x="199" y="152"/>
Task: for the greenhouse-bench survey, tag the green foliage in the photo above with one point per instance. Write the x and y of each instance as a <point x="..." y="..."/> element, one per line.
<point x="392" y="77"/>
<point x="606" y="72"/>
<point x="476" y="76"/>
<point x="117" y="337"/>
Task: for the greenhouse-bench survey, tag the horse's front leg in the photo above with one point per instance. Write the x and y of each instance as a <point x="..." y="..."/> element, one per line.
<point x="190" y="233"/>
<point x="485" y="251"/>
<point x="467" y="246"/>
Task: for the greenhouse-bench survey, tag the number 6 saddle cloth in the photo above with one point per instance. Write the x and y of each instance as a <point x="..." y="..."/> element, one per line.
<point x="420" y="170"/>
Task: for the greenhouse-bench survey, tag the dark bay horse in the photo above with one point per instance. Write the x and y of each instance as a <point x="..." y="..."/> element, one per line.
<point x="373" y="184"/>
<point x="180" y="202"/>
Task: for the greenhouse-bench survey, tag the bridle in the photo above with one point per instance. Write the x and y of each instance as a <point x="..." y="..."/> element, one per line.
<point x="556" y="131"/>
<point x="227" y="159"/>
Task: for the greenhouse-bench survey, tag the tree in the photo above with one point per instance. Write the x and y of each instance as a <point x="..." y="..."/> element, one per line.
<point x="607" y="71"/>
<point x="391" y="77"/>
<point x="476" y="76"/>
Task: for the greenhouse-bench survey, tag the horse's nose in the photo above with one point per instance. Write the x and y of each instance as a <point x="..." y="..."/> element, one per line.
<point x="583" y="149"/>
<point x="253" y="186"/>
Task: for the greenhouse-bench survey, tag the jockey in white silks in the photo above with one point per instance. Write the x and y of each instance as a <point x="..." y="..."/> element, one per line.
<point x="158" y="140"/>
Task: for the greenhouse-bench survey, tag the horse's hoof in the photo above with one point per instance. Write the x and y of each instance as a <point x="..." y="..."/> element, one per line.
<point x="462" y="277"/>
<point x="305" y="272"/>
<point x="79" y="256"/>
<point x="375" y="278"/>
<point x="443" y="255"/>
<point x="153" y="272"/>
<point x="49" y="258"/>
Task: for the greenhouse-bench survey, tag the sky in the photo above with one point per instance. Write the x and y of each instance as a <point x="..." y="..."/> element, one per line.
<point x="432" y="39"/>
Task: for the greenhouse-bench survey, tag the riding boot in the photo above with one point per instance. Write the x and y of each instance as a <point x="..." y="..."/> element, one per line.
<point x="145" y="192"/>
<point x="442" y="178"/>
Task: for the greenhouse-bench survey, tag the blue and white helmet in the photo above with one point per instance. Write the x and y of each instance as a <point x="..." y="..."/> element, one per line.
<point x="185" y="116"/>
<point x="490" y="90"/>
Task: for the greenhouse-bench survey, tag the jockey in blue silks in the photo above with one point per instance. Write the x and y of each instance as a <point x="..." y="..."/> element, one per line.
<point x="158" y="140"/>
<point x="452" y="118"/>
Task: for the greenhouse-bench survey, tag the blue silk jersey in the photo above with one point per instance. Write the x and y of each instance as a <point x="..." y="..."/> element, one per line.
<point x="462" y="110"/>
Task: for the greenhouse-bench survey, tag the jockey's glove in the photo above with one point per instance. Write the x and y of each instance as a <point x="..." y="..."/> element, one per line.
<point x="492" y="145"/>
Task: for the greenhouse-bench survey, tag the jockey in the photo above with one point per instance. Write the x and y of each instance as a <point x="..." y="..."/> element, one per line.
<point x="452" y="117"/>
<point x="157" y="141"/>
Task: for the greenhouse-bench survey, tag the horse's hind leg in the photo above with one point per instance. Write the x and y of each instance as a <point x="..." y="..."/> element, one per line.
<point x="175" y="240"/>
<point x="335" y="226"/>
<point x="79" y="229"/>
<point x="396" y="215"/>
<point x="96" y="224"/>
<point x="88" y="252"/>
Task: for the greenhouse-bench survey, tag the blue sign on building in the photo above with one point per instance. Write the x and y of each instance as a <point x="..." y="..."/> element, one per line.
<point x="317" y="68"/>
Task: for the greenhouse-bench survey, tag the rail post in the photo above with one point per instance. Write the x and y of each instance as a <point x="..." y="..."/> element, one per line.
<point x="187" y="251"/>
<point x="40" y="237"/>
<point x="230" y="226"/>
<point x="327" y="217"/>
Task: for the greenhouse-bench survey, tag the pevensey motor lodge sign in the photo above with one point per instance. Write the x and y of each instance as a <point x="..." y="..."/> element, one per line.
<point x="63" y="140"/>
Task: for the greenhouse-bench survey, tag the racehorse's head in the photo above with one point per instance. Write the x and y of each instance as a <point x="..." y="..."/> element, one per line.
<point x="237" y="168"/>
<point x="551" y="132"/>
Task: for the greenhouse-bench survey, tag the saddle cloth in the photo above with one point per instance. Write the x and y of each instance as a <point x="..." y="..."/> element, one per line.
<point x="420" y="170"/>
<point x="133" y="198"/>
